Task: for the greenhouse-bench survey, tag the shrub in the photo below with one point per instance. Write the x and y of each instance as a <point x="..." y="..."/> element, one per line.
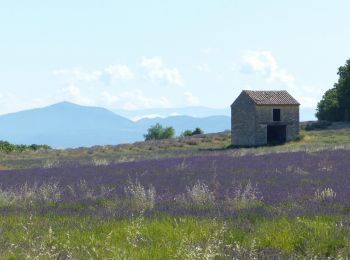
<point x="50" y="164"/>
<point x="141" y="199"/>
<point x="197" y="131"/>
<point x="200" y="194"/>
<point x="82" y="191"/>
<point x="28" y="195"/>
<point x="317" y="125"/>
<point x="158" y="132"/>
<point x="245" y="196"/>
<point x="327" y="194"/>
<point x="100" y="162"/>
<point x="8" y="147"/>
<point x="49" y="192"/>
<point x="186" y="133"/>
<point x="210" y="248"/>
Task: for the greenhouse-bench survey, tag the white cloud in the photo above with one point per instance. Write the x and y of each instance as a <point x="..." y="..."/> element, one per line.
<point x="264" y="64"/>
<point x="10" y="102"/>
<point x="132" y="100"/>
<point x="203" y="67"/>
<point x="129" y="100"/>
<point x="72" y="93"/>
<point x="191" y="99"/>
<point x="157" y="70"/>
<point x="109" y="99"/>
<point x="77" y="74"/>
<point x="236" y="67"/>
<point x="120" y="72"/>
<point x="307" y="101"/>
<point x="209" y="50"/>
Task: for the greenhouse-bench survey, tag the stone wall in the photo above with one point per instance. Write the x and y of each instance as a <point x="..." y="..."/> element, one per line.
<point x="264" y="117"/>
<point x="243" y="121"/>
<point x="292" y="117"/>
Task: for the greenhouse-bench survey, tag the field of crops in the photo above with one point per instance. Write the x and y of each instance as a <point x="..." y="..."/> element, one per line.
<point x="220" y="203"/>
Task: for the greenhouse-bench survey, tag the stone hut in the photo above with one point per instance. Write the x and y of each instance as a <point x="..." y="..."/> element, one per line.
<point x="264" y="117"/>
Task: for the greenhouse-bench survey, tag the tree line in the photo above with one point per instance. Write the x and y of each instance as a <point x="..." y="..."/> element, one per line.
<point x="158" y="132"/>
<point x="8" y="147"/>
<point x="335" y="103"/>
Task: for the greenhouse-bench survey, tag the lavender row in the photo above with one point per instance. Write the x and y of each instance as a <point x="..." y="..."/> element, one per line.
<point x="279" y="177"/>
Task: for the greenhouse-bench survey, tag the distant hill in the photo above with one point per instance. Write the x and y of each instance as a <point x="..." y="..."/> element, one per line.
<point x="66" y="124"/>
<point x="306" y="114"/>
<point x="181" y="123"/>
<point x="69" y="125"/>
<point x="180" y="111"/>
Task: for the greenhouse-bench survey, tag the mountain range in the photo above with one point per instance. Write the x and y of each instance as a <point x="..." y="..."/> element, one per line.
<point x="306" y="114"/>
<point x="65" y="124"/>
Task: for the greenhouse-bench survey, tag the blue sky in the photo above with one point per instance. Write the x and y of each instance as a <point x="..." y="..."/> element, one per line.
<point x="149" y="54"/>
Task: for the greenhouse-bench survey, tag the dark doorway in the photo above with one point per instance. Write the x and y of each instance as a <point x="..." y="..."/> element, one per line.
<point x="276" y="134"/>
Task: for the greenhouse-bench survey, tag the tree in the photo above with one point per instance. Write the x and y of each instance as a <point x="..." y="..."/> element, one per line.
<point x="186" y="133"/>
<point x="8" y="147"/>
<point x="168" y="132"/>
<point x="158" y="132"/>
<point x="335" y="103"/>
<point x="328" y="107"/>
<point x="343" y="89"/>
<point x="198" y="131"/>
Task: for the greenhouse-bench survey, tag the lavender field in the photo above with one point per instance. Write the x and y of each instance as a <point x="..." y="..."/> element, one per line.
<point x="226" y="204"/>
<point x="274" y="179"/>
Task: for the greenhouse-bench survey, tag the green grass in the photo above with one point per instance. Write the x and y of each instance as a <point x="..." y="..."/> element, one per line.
<point x="166" y="237"/>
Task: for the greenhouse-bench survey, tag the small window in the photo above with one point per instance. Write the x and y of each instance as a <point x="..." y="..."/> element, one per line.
<point x="277" y="115"/>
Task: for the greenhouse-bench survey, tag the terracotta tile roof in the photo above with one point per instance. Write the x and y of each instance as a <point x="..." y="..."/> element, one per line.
<point x="280" y="97"/>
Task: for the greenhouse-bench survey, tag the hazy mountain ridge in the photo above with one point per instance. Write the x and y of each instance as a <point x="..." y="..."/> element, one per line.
<point x="196" y="111"/>
<point x="181" y="123"/>
<point x="306" y="113"/>
<point x="69" y="125"/>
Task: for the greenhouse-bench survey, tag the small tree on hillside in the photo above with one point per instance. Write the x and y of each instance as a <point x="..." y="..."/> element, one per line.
<point x="168" y="132"/>
<point x="186" y="133"/>
<point x="158" y="132"/>
<point x="197" y="131"/>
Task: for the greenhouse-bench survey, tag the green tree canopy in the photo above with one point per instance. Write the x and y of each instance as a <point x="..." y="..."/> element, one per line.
<point x="335" y="103"/>
<point x="8" y="147"/>
<point x="186" y="133"/>
<point x="197" y="131"/>
<point x="328" y="107"/>
<point x="158" y="132"/>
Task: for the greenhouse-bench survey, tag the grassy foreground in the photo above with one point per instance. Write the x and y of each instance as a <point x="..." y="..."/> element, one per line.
<point x="165" y="237"/>
<point x="196" y="200"/>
